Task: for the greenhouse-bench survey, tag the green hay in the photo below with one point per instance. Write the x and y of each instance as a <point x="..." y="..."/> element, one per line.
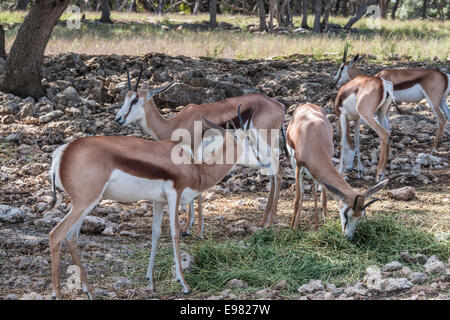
<point x="295" y="256"/>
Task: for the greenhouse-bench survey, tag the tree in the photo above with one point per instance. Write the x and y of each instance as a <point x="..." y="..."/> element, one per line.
<point x="262" y="15"/>
<point x="326" y="15"/>
<point x="197" y="6"/>
<point x="344" y="8"/>
<point x="359" y="14"/>
<point x="106" y="15"/>
<point x="2" y="43"/>
<point x="23" y="66"/>
<point x="384" y="6"/>
<point x="424" y="9"/>
<point x="212" y="14"/>
<point x="394" y="9"/>
<point x="305" y="14"/>
<point x="21" y="5"/>
<point x="318" y="13"/>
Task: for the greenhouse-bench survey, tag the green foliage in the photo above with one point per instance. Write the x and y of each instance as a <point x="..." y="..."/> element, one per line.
<point x="411" y="9"/>
<point x="295" y="256"/>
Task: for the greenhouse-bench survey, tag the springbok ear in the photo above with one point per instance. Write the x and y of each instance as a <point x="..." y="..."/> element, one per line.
<point x="362" y="58"/>
<point x="355" y="59"/>
<point x="376" y="188"/>
<point x="334" y="191"/>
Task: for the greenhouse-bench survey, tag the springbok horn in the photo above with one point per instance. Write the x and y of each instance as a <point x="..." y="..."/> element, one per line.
<point x="369" y="203"/>
<point x="128" y="78"/>
<point x="139" y="79"/>
<point x="249" y="118"/>
<point x="213" y="125"/>
<point x="241" y="121"/>
<point x="158" y="90"/>
<point x="344" y="59"/>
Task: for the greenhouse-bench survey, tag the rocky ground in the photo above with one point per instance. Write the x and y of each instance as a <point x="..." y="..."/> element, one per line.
<point x="83" y="94"/>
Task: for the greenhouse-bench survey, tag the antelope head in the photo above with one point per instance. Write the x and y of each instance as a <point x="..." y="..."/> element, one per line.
<point x="133" y="108"/>
<point x="353" y="210"/>
<point x="347" y="70"/>
<point x="239" y="135"/>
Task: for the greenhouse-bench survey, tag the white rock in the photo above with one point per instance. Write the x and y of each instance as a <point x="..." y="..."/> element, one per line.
<point x="11" y="214"/>
<point x="311" y="287"/>
<point x="32" y="296"/>
<point x="236" y="283"/>
<point x="392" y="266"/>
<point x="418" y="278"/>
<point x="395" y="284"/>
<point x="93" y="225"/>
<point x="187" y="262"/>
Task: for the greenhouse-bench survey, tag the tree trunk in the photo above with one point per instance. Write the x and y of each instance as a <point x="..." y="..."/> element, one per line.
<point x="161" y="4"/>
<point x="318" y="13"/>
<point x="124" y="5"/>
<point x="394" y="9"/>
<point x="262" y="15"/>
<point x="196" y="7"/>
<point x="2" y="43"/>
<point x="132" y="6"/>
<point x="85" y="5"/>
<point x="424" y="9"/>
<point x="384" y="6"/>
<point x="326" y="15"/>
<point x="212" y="14"/>
<point x="305" y="14"/>
<point x="359" y="14"/>
<point x="146" y="4"/>
<point x="106" y="15"/>
<point x="344" y="8"/>
<point x="337" y="7"/>
<point x="271" y="13"/>
<point x="21" y="5"/>
<point x="23" y="67"/>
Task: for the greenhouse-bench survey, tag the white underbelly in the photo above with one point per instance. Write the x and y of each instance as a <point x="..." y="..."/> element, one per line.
<point x="413" y="94"/>
<point x="349" y="106"/>
<point x="124" y="187"/>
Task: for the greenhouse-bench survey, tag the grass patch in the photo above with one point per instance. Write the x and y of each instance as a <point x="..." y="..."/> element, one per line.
<point x="138" y="34"/>
<point x="295" y="256"/>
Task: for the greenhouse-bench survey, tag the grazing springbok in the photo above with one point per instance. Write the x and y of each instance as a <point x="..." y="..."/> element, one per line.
<point x="268" y="114"/>
<point x="310" y="142"/>
<point x="410" y="86"/>
<point x="129" y="169"/>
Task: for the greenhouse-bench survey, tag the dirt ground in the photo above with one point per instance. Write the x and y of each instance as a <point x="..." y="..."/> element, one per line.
<point x="28" y="140"/>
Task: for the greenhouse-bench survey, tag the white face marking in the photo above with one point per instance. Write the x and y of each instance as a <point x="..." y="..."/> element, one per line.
<point x="342" y="76"/>
<point x="348" y="221"/>
<point x="132" y="110"/>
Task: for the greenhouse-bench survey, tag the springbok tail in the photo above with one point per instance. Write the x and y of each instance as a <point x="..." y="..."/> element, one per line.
<point x="54" y="190"/>
<point x="283" y="135"/>
<point x="389" y="87"/>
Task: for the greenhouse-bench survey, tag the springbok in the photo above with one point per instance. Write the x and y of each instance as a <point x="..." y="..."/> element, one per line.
<point x="310" y="142"/>
<point x="364" y="97"/>
<point x="410" y="86"/>
<point x="129" y="169"/>
<point x="268" y="114"/>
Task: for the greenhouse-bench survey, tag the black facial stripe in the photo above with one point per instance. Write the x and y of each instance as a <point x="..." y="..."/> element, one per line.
<point x="135" y="100"/>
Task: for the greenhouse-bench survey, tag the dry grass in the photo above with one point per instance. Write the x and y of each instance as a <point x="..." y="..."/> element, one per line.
<point x="138" y="34"/>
